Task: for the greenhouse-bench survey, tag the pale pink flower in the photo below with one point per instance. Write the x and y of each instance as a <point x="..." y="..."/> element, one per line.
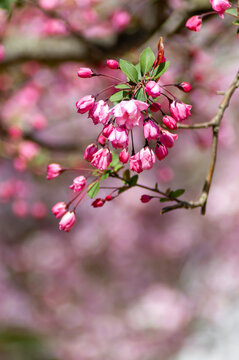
<point x="67" y="222"/>
<point x="99" y="113"/>
<point x="38" y="210"/>
<point x="119" y="138"/>
<point x="179" y="110"/>
<point x="170" y="122"/>
<point x="167" y="138"/>
<point x="220" y="6"/>
<point x="128" y="113"/>
<point x="124" y="156"/>
<point x="161" y="151"/>
<point x="53" y="170"/>
<point x="85" y="104"/>
<point x="84" y="72"/>
<point x="90" y="151"/>
<point x="120" y="20"/>
<point x="28" y="150"/>
<point x="48" y="4"/>
<point x="101" y="159"/>
<point x="78" y="184"/>
<point x="135" y="163"/>
<point x="107" y="130"/>
<point x="112" y="64"/>
<point x="153" y="89"/>
<point x="194" y="23"/>
<point x="147" y="158"/>
<point x="59" y="209"/>
<point x="19" y="208"/>
<point x="151" y="130"/>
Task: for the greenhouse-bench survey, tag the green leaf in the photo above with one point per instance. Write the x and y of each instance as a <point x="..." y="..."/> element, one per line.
<point x="126" y="175"/>
<point x="175" y="194"/>
<point x="236" y="22"/>
<point x="6" y="4"/>
<point x="118" y="96"/>
<point x="122" y="86"/>
<point x="129" y="70"/>
<point x="161" y="69"/>
<point x="133" y="180"/>
<point x="94" y="190"/>
<point x="140" y="95"/>
<point x="138" y="68"/>
<point x="147" y="59"/>
<point x="105" y="175"/>
<point x="115" y="160"/>
<point x="122" y="189"/>
<point x="232" y="12"/>
<point x="164" y="200"/>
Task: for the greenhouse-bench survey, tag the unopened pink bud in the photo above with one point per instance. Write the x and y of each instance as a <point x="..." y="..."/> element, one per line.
<point x="194" y="23"/>
<point x="98" y="203"/>
<point x="85" y="104"/>
<point x="67" y="221"/>
<point x="168" y="138"/>
<point x="108" y="198"/>
<point x="124" y="156"/>
<point x="112" y="64"/>
<point x="220" y="6"/>
<point x="179" y="110"/>
<point x="145" y="198"/>
<point x="153" y="89"/>
<point x="84" y="72"/>
<point x="184" y="86"/>
<point x="119" y="138"/>
<point x="78" y="184"/>
<point x="151" y="130"/>
<point x="120" y="20"/>
<point x="102" y="139"/>
<point x="155" y="107"/>
<point x="107" y="130"/>
<point x="2" y="52"/>
<point x="161" y="151"/>
<point x="90" y="151"/>
<point x="59" y="209"/>
<point x="53" y="170"/>
<point x="170" y="122"/>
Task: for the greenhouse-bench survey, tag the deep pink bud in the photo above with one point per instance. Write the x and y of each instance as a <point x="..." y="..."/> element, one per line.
<point x="194" y="23"/>
<point x="67" y="221"/>
<point x="124" y="156"/>
<point x="85" y="104"/>
<point x="161" y="151"/>
<point x="151" y="130"/>
<point x="59" y="209"/>
<point x="145" y="198"/>
<point x="108" y="198"/>
<point x="168" y="138"/>
<point x="220" y="6"/>
<point x="170" y="122"/>
<point x="107" y="130"/>
<point x="120" y="20"/>
<point x="53" y="170"/>
<point x="78" y="184"/>
<point x="179" y="110"/>
<point x="99" y="113"/>
<point x="98" y="203"/>
<point x="101" y="139"/>
<point x="84" y="72"/>
<point x="112" y="64"/>
<point x="153" y="89"/>
<point x="119" y="138"/>
<point x="184" y="86"/>
<point x="101" y="159"/>
<point x="155" y="107"/>
<point x="90" y="151"/>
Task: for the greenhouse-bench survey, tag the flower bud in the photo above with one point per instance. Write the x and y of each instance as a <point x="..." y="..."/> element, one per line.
<point x="78" y="184"/>
<point x="67" y="221"/>
<point x="59" y="209"/>
<point x="85" y="104"/>
<point x="119" y="138"/>
<point x="155" y="107"/>
<point x="2" y="52"/>
<point x="90" y="151"/>
<point x="184" y="86"/>
<point x="53" y="170"/>
<point x="170" y="122"/>
<point x="179" y="110"/>
<point x="101" y="139"/>
<point x="107" y="130"/>
<point x="112" y="64"/>
<point x="167" y="138"/>
<point x="101" y="159"/>
<point x="194" y="23"/>
<point x="108" y="198"/>
<point x="99" y="113"/>
<point x="145" y="198"/>
<point x="220" y="6"/>
<point x="85" y="72"/>
<point x="124" y="156"/>
<point x="151" y="130"/>
<point x="161" y="151"/>
<point x="98" y="203"/>
<point x="153" y="89"/>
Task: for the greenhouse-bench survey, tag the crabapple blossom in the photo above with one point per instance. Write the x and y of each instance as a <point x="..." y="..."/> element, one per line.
<point x="59" y="209"/>
<point x="99" y="113"/>
<point x="155" y="107"/>
<point x="53" y="170"/>
<point x="151" y="130"/>
<point x="170" y="122"/>
<point x="167" y="138"/>
<point x="184" y="86"/>
<point x="161" y="151"/>
<point x="90" y="151"/>
<point x="78" y="184"/>
<point x="220" y="6"/>
<point x="101" y="159"/>
<point x="128" y="113"/>
<point x="153" y="89"/>
<point x="119" y="138"/>
<point x="98" y="203"/>
<point x="124" y="156"/>
<point x="67" y="222"/>
<point x="135" y="163"/>
<point x="85" y="104"/>
<point x="179" y="110"/>
<point x="2" y="52"/>
<point x="145" y="198"/>
<point x="194" y="23"/>
<point x="147" y="158"/>
<point x="101" y="139"/>
<point x="120" y="20"/>
<point x="84" y="72"/>
<point x="107" y="130"/>
<point x="112" y="64"/>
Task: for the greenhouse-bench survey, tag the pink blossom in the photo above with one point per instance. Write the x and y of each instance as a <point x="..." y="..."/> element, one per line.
<point x="194" y="23"/>
<point x="2" y="52"/>
<point x="78" y="184"/>
<point x="67" y="222"/>
<point x="85" y="104"/>
<point x="48" y="4"/>
<point x="53" y="170"/>
<point x="147" y="158"/>
<point x="220" y="6"/>
<point x="119" y="138"/>
<point x="153" y="89"/>
<point x="120" y="20"/>
<point x="112" y="64"/>
<point x="90" y="151"/>
<point x="59" y="209"/>
<point x="84" y="72"/>
<point x="151" y="130"/>
<point x="38" y="210"/>
<point x="99" y="113"/>
<point x="124" y="156"/>
<point x="98" y="203"/>
<point x="170" y="122"/>
<point x="28" y="150"/>
<point x="145" y="198"/>
<point x="161" y="151"/>
<point x="108" y="198"/>
<point x="155" y="107"/>
<point x="19" y="208"/>
<point x="135" y="163"/>
<point x="179" y="110"/>
<point x="107" y="130"/>
<point x="168" y="138"/>
<point x="101" y="139"/>
<point x="101" y="159"/>
<point x="184" y="86"/>
<point x="128" y="113"/>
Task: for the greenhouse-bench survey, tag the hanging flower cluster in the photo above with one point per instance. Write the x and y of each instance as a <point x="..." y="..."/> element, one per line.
<point x="132" y="106"/>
